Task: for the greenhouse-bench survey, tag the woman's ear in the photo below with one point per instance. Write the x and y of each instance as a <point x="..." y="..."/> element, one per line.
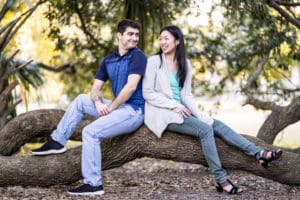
<point x="177" y="42"/>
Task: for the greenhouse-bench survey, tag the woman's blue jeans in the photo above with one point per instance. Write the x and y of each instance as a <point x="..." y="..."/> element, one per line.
<point x="122" y="120"/>
<point x="194" y="127"/>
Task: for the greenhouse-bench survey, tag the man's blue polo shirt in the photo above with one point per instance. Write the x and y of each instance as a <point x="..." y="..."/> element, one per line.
<point x="116" y="68"/>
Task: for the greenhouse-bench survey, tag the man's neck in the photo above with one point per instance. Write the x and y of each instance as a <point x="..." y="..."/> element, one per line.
<point x="122" y="51"/>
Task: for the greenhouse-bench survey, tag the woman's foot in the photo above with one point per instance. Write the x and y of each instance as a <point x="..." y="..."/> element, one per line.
<point x="228" y="187"/>
<point x="265" y="157"/>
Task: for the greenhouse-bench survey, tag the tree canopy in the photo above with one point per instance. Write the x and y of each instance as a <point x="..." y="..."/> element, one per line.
<point x="255" y="47"/>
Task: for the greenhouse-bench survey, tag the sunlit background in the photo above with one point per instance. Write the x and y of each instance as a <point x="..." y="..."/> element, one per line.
<point x="34" y="44"/>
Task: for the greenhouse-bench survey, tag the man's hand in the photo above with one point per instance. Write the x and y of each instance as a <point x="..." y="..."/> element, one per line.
<point x="184" y="113"/>
<point x="102" y="109"/>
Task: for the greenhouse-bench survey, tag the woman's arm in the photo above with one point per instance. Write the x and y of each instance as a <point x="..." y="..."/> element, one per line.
<point x="189" y="100"/>
<point x="153" y="97"/>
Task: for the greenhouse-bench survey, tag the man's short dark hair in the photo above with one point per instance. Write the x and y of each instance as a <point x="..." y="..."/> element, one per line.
<point x="122" y="25"/>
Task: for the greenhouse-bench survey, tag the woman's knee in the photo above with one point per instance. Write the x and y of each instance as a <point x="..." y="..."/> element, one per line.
<point x="220" y="128"/>
<point x="205" y="131"/>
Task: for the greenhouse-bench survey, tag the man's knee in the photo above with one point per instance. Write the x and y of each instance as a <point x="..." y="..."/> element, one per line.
<point x="82" y="97"/>
<point x="89" y="133"/>
<point x="79" y="101"/>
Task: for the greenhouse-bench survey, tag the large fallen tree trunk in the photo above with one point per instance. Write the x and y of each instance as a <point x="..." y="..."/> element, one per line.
<point x="65" y="168"/>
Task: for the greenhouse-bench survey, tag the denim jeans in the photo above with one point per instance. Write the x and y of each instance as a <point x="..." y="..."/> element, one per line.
<point x="194" y="127"/>
<point x="120" y="121"/>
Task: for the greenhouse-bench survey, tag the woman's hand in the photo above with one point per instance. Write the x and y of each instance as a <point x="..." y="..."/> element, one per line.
<point x="184" y="113"/>
<point x="102" y="109"/>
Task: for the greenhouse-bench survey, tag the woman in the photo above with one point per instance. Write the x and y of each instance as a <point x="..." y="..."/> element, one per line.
<point x="170" y="106"/>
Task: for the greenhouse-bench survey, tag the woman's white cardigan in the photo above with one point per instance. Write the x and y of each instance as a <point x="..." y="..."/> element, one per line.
<point x="160" y="108"/>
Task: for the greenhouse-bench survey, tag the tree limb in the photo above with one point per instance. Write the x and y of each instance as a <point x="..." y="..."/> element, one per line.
<point x="12" y="56"/>
<point x="7" y="5"/>
<point x="282" y="12"/>
<point x="13" y="32"/>
<point x="12" y="69"/>
<point x="263" y="105"/>
<point x="84" y="28"/>
<point x="279" y="119"/>
<point x="65" y="168"/>
<point x="10" y="109"/>
<point x="60" y="68"/>
<point x="7" y="90"/>
<point x="5" y="37"/>
<point x="288" y="4"/>
<point x="256" y="73"/>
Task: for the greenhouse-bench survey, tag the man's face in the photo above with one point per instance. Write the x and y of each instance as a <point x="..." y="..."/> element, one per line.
<point x="129" y="39"/>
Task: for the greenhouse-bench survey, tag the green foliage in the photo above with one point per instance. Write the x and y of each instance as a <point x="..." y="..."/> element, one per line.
<point x="93" y="25"/>
<point x="248" y="31"/>
<point x="12" y="69"/>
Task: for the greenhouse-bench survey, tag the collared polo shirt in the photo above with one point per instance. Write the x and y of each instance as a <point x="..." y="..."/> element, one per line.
<point x="117" y="68"/>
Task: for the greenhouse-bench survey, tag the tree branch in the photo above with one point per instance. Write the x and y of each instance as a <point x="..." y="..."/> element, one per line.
<point x="12" y="23"/>
<point x="55" y="69"/>
<point x="274" y="5"/>
<point x="255" y="75"/>
<point x="263" y="105"/>
<point x="5" y="37"/>
<point x="8" y="4"/>
<point x="28" y="14"/>
<point x="8" y="89"/>
<point x="278" y="120"/>
<point x="288" y="4"/>
<point x="84" y="28"/>
<point x="12" y="69"/>
<point x="49" y="170"/>
<point x="7" y="111"/>
<point x="12" y="56"/>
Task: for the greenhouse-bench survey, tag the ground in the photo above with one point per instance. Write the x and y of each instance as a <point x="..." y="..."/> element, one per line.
<point x="158" y="179"/>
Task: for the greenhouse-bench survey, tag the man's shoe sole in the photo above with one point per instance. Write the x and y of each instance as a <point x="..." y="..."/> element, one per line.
<point x="87" y="193"/>
<point x="49" y="152"/>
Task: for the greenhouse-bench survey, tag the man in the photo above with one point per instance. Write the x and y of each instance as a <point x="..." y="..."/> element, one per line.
<point x="124" y="68"/>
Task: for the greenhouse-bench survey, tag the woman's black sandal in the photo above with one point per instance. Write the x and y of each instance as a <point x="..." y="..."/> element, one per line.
<point x="234" y="189"/>
<point x="274" y="156"/>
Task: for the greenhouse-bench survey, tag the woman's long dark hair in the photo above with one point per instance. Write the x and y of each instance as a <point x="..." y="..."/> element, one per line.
<point x="180" y="55"/>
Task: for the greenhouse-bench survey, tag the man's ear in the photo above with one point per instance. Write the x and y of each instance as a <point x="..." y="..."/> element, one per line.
<point x="119" y="35"/>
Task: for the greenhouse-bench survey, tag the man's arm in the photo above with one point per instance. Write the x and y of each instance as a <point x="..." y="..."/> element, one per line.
<point x="97" y="97"/>
<point x="96" y="94"/>
<point x="126" y="92"/>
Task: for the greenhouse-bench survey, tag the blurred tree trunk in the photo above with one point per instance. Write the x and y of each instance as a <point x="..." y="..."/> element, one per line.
<point x="65" y="168"/>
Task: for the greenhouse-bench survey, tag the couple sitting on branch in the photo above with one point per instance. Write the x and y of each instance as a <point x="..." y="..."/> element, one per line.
<point x="156" y="92"/>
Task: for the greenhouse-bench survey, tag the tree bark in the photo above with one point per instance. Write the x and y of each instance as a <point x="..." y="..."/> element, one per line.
<point x="65" y="168"/>
<point x="31" y="125"/>
<point x="279" y="119"/>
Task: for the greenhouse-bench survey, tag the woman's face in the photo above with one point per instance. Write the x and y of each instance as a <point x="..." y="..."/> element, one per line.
<point x="167" y="42"/>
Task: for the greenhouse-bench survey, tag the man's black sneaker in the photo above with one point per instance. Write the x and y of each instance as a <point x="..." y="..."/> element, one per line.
<point x="87" y="189"/>
<point x="50" y="147"/>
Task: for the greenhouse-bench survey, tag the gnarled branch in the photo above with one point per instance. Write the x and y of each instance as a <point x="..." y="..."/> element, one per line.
<point x="65" y="168"/>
